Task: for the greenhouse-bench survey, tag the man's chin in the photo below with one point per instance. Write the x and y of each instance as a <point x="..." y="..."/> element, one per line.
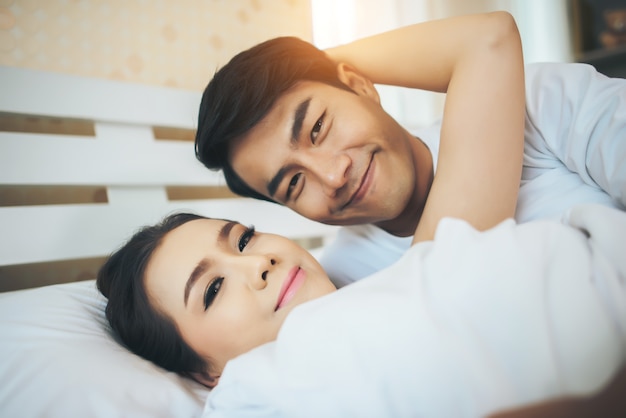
<point x="356" y="220"/>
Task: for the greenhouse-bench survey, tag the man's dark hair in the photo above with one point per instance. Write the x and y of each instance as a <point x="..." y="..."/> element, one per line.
<point x="134" y="320"/>
<point x="243" y="91"/>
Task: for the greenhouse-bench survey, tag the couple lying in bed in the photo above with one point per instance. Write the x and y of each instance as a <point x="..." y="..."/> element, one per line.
<point x="465" y="323"/>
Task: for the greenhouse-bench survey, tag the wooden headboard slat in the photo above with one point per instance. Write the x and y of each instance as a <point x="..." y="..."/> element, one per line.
<point x="44" y="93"/>
<point x="138" y="179"/>
<point x="117" y="155"/>
<point x="60" y="232"/>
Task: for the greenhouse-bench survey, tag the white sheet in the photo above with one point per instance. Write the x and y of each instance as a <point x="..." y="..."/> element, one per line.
<point x="60" y="361"/>
<point x="468" y="324"/>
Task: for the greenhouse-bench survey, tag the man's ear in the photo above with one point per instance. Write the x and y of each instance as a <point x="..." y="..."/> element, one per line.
<point x="360" y="84"/>
<point x="209" y="381"/>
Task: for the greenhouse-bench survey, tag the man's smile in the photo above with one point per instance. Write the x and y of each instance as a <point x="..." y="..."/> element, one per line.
<point x="364" y="184"/>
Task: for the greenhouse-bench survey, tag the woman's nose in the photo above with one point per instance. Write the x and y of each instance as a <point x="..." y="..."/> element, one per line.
<point x="262" y="266"/>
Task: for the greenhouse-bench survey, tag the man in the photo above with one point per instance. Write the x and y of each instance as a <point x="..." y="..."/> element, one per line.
<point x="322" y="145"/>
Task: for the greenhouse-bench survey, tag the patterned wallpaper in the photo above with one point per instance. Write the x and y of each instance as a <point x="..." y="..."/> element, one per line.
<point x="177" y="43"/>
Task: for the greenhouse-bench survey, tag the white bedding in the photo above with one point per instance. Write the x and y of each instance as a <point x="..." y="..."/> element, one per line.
<point x="469" y="324"/>
<point x="59" y="361"/>
<point x="356" y="353"/>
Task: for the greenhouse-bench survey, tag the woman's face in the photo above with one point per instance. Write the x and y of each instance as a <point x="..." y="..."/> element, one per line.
<point x="228" y="288"/>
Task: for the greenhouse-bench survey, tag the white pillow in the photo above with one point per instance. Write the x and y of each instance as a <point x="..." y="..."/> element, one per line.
<point x="60" y="360"/>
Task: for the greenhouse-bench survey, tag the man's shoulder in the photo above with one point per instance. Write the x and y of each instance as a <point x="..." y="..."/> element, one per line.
<point x="569" y="73"/>
<point x="364" y="233"/>
<point x="361" y="250"/>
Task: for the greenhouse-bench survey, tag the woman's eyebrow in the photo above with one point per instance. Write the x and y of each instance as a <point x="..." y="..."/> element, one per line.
<point x="197" y="272"/>
<point x="204" y="264"/>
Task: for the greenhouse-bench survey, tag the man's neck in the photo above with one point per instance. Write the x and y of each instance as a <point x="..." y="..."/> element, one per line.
<point x="405" y="224"/>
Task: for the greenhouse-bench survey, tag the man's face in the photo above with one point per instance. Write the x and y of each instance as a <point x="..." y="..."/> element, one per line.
<point x="331" y="155"/>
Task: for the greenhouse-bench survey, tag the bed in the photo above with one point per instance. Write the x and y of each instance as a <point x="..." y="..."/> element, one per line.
<point x="83" y="163"/>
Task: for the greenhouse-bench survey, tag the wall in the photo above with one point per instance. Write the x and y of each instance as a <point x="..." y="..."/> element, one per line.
<point x="176" y="43"/>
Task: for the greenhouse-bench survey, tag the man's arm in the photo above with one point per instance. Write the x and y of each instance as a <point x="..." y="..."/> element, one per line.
<point x="477" y="60"/>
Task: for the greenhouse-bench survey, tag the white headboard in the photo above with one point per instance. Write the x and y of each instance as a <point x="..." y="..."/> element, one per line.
<point x="125" y="160"/>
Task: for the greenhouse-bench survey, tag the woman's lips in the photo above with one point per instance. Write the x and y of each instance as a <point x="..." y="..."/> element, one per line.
<point x="291" y="285"/>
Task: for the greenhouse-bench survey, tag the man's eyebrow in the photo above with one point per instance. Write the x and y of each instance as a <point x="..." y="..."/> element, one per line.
<point x="296" y="128"/>
<point x="298" y="118"/>
<point x="204" y="264"/>
<point x="275" y="181"/>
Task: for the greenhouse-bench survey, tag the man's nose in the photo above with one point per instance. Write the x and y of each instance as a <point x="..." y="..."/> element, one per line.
<point x="332" y="171"/>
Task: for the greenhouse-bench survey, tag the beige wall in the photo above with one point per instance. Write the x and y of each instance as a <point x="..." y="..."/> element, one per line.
<point x="175" y="43"/>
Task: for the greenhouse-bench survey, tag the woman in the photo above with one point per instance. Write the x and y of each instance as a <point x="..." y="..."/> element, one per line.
<point x="194" y="294"/>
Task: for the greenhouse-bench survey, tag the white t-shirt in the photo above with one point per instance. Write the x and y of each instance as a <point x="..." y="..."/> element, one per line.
<point x="574" y="153"/>
<point x="525" y="313"/>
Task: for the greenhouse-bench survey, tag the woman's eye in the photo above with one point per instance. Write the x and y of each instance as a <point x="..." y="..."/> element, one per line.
<point x="245" y="238"/>
<point x="211" y="291"/>
<point x="316" y="129"/>
<point x="292" y="184"/>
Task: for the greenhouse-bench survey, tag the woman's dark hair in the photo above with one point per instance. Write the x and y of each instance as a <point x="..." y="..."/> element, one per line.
<point x="141" y="328"/>
<point x="243" y="91"/>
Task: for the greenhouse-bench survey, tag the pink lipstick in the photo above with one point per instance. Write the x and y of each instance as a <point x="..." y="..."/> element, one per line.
<point x="291" y="285"/>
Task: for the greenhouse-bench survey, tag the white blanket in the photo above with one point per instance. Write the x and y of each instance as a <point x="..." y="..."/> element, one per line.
<point x="468" y="324"/>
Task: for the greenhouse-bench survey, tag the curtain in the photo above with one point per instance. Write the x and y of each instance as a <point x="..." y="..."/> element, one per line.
<point x="544" y="27"/>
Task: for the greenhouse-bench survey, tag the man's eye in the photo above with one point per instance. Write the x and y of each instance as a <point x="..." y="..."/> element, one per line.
<point x="317" y="128"/>
<point x="211" y="291"/>
<point x="245" y="238"/>
<point x="292" y="184"/>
